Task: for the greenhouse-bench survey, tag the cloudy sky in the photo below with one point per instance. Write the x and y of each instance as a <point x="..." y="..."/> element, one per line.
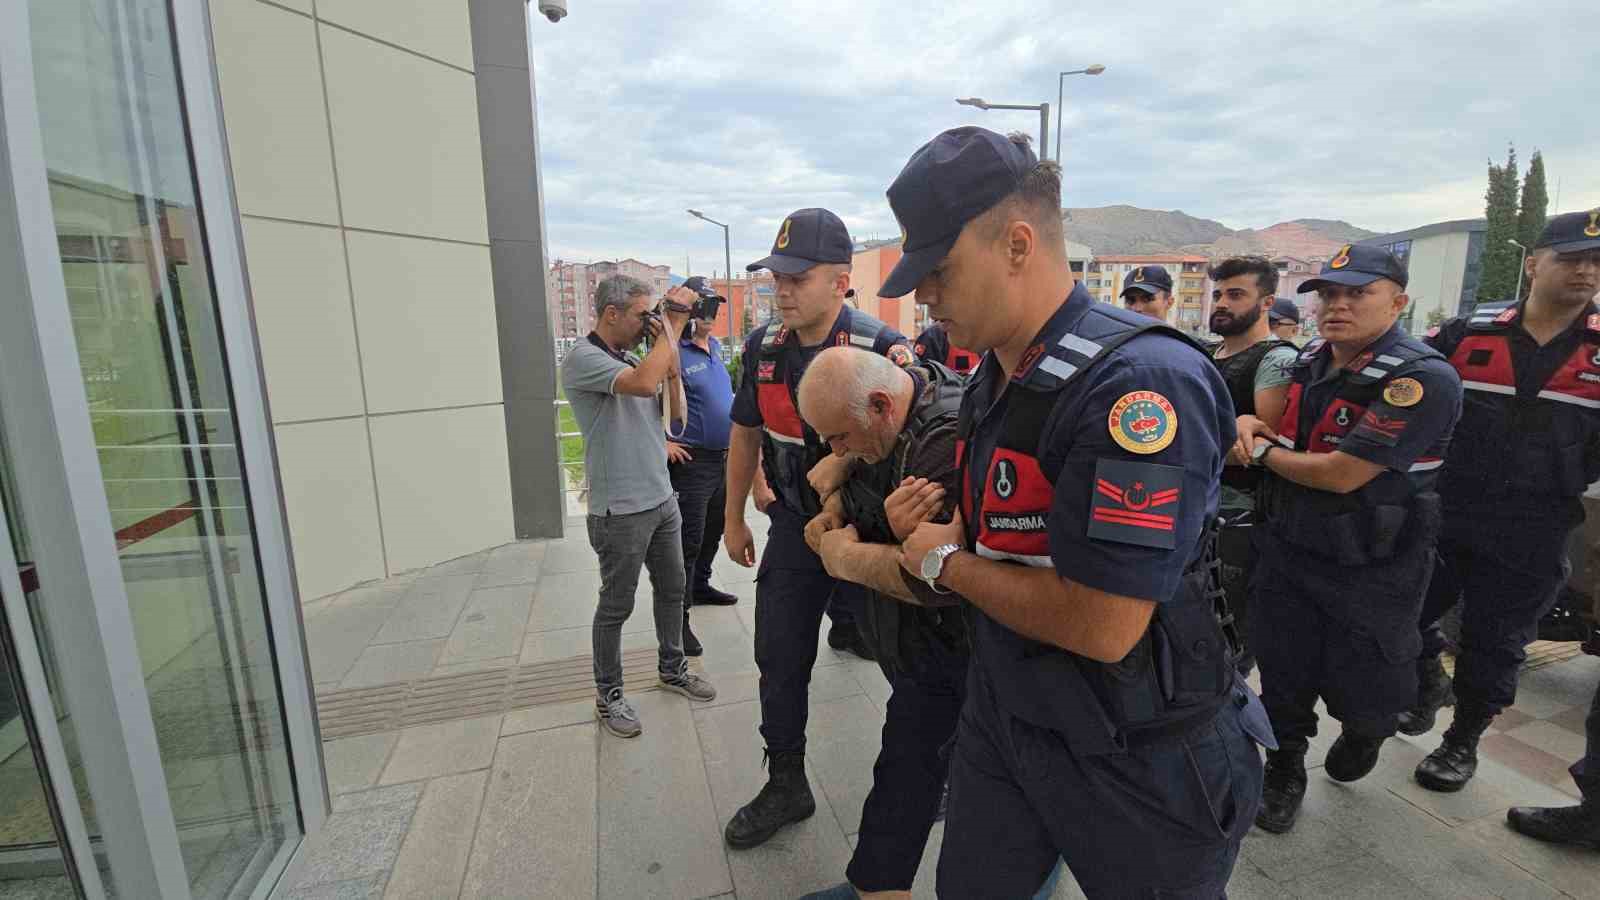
<point x="1379" y="113"/>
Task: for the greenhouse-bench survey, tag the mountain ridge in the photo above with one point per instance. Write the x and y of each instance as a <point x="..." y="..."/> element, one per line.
<point x="1122" y="230"/>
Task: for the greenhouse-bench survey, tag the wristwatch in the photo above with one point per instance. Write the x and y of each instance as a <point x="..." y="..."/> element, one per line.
<point x="1258" y="456"/>
<point x="933" y="565"/>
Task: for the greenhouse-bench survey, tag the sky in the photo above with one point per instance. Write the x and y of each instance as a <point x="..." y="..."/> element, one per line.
<point x="1383" y="114"/>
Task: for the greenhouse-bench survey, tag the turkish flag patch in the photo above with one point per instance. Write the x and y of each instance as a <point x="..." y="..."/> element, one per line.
<point x="1136" y="503"/>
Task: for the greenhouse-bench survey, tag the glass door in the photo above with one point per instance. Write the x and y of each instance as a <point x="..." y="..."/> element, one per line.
<point x="133" y="253"/>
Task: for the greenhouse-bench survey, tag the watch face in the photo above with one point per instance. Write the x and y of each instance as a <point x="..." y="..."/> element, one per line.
<point x="1260" y="450"/>
<point x="931" y="564"/>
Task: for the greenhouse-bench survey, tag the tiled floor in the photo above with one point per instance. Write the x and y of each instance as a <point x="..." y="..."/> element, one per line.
<point x="539" y="803"/>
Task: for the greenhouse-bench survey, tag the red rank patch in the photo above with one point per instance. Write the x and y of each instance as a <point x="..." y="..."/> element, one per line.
<point x="765" y="370"/>
<point x="1028" y="359"/>
<point x="1507" y="316"/>
<point x="1135" y="503"/>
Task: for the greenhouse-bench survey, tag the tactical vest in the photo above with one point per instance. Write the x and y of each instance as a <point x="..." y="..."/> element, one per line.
<point x="1178" y="674"/>
<point x="895" y="629"/>
<point x="1239" y="371"/>
<point x="1383" y="519"/>
<point x="1524" y="450"/>
<point x="790" y="448"/>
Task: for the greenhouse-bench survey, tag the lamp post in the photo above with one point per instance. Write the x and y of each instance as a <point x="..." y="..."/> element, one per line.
<point x="1044" y="117"/>
<point x="1521" y="266"/>
<point x="727" y="260"/>
<point x="1061" y="98"/>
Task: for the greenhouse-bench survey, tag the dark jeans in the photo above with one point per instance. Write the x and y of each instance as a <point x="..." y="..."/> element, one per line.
<point x="1162" y="820"/>
<point x="1586" y="771"/>
<point x="1500" y="611"/>
<point x="702" y="490"/>
<point x="909" y="776"/>
<point x="624" y="543"/>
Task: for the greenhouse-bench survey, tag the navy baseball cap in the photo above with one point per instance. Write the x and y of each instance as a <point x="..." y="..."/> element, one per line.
<point x="1571" y="232"/>
<point x="1356" y="265"/>
<point x="1150" y="279"/>
<point x="1284" y="310"/>
<point x="807" y="237"/>
<point x="947" y="183"/>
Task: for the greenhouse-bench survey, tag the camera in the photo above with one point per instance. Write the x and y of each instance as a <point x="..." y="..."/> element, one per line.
<point x="707" y="300"/>
<point x="554" y="10"/>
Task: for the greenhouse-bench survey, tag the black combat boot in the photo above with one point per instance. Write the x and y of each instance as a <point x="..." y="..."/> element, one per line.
<point x="1449" y="768"/>
<point x="786" y="799"/>
<point x="1352" y="756"/>
<point x="1283" y="788"/>
<point x="691" y="644"/>
<point x="1434" y="691"/>
<point x="1579" y="825"/>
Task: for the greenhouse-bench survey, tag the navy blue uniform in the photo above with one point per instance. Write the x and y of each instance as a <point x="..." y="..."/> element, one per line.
<point x="792" y="588"/>
<point x="1511" y="489"/>
<point x="1141" y="775"/>
<point x="1341" y="577"/>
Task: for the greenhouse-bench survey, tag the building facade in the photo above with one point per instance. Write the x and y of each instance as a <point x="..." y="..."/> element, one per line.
<point x="275" y="324"/>
<point x="1444" y="264"/>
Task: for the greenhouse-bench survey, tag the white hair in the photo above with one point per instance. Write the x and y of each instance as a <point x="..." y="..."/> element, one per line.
<point x="869" y="372"/>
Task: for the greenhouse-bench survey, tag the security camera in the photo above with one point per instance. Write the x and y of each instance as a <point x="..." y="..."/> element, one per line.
<point x="554" y="10"/>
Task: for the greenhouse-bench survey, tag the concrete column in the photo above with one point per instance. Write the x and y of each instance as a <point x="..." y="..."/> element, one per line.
<point x="515" y="192"/>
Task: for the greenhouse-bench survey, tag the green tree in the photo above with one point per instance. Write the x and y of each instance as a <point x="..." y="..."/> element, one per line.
<point x="1500" y="208"/>
<point x="1535" y="207"/>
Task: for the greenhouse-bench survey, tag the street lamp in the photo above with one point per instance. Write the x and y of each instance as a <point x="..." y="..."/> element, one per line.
<point x="1521" y="265"/>
<point x="727" y="259"/>
<point x="1044" y="117"/>
<point x="1061" y="83"/>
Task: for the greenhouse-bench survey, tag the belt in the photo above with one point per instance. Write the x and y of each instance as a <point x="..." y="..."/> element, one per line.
<point x="718" y="451"/>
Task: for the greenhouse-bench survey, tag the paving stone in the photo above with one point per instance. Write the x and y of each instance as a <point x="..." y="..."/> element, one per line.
<point x="1551" y="738"/>
<point x="475" y="665"/>
<point x="565" y="643"/>
<point x="336" y="637"/>
<point x="1249" y="882"/>
<point x="552" y="715"/>
<point x="354" y="763"/>
<point x="1314" y="843"/>
<point x="369" y="888"/>
<point x="1520" y="757"/>
<point x="570" y="554"/>
<point x="428" y="610"/>
<point x="519" y="563"/>
<point x="471" y="564"/>
<point x="357" y="843"/>
<point x="1443" y="861"/>
<point x="389" y="663"/>
<point x="801" y="858"/>
<point x="654" y="779"/>
<point x="490" y="625"/>
<point x="377" y="593"/>
<point x="399" y="793"/>
<point x="842" y="742"/>
<point x="537" y="831"/>
<point x="1362" y="878"/>
<point x="434" y="857"/>
<point x="443" y="748"/>
<point x="1493" y="789"/>
<point x="565" y="600"/>
<point x="1574" y="870"/>
<point x="737" y="687"/>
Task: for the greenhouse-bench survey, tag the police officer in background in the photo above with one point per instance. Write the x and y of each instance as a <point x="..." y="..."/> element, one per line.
<point x="1104" y="722"/>
<point x="1285" y="319"/>
<point x="1149" y="292"/>
<point x="1255" y="365"/>
<point x="1350" y="524"/>
<point x="933" y="345"/>
<point x="810" y="263"/>
<point x="1512" y="487"/>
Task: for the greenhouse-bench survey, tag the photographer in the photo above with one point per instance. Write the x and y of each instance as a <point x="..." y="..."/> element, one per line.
<point x="633" y="515"/>
<point x="696" y="459"/>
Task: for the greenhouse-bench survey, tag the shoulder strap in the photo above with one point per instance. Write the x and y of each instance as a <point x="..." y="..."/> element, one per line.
<point x="864" y="329"/>
<point x="1401" y="355"/>
<point x="1492" y="316"/>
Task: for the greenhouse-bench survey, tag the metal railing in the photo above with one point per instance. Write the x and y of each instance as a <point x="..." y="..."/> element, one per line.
<point x="569" y="444"/>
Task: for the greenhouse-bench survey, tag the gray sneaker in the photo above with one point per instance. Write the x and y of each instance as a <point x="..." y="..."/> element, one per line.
<point x="690" y="685"/>
<point x="616" y="715"/>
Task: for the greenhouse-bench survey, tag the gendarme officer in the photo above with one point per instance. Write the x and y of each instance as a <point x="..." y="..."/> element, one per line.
<point x="1351" y="520"/>
<point x="1104" y="722"/>
<point x="810" y="263"/>
<point x="1511" y="488"/>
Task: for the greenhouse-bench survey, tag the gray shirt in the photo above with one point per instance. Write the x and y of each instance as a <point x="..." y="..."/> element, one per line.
<point x="624" y="451"/>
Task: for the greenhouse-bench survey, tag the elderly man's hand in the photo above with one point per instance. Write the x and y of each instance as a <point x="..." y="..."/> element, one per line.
<point x="829" y="475"/>
<point x="915" y="501"/>
<point x="820" y="524"/>
<point x="835" y="544"/>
